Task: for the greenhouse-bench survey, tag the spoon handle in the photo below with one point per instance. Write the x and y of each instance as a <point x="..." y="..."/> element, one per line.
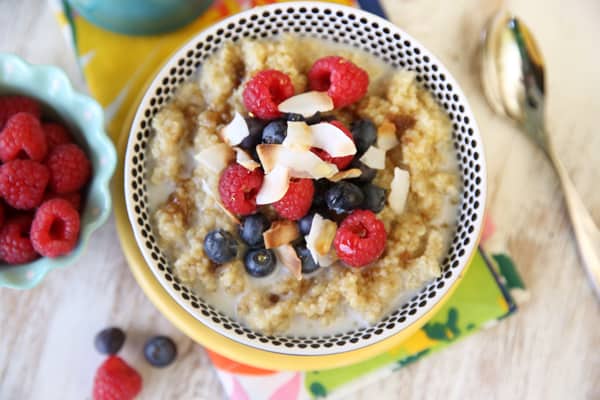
<point x="586" y="232"/>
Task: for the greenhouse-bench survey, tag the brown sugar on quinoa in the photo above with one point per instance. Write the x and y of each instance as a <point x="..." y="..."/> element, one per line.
<point x="416" y="240"/>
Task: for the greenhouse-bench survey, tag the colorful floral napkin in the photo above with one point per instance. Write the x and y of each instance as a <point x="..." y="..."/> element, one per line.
<point x="116" y="68"/>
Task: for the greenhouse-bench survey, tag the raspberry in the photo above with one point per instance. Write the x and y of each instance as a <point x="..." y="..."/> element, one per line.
<point x="23" y="182"/>
<point x="344" y="82"/>
<point x="238" y="188"/>
<point x="116" y="380"/>
<point x="1" y="214"/>
<point x="297" y="200"/>
<point x="55" y="228"/>
<point x="265" y="91"/>
<point x="23" y="137"/>
<point x="15" y="245"/>
<point x="11" y="105"/>
<point x="74" y="198"/>
<point x="341" y="162"/>
<point x="55" y="134"/>
<point x="360" y="238"/>
<point x="69" y="168"/>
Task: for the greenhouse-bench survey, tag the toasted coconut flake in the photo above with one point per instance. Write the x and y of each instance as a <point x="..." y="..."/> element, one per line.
<point x="386" y="136"/>
<point x="320" y="238"/>
<point x="299" y="136"/>
<point x="288" y="257"/>
<point x="332" y="139"/>
<point x="280" y="233"/>
<point x="275" y="185"/>
<point x="307" y="104"/>
<point x="244" y="159"/>
<point x="302" y="163"/>
<point x="216" y="157"/>
<point x="346" y="174"/>
<point x="399" y="190"/>
<point x="374" y="158"/>
<point x="327" y="259"/>
<point x="234" y="132"/>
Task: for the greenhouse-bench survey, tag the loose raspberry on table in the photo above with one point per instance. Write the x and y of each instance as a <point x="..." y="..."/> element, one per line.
<point x="11" y="105"/>
<point x="69" y="168"/>
<point x="265" y="91"/>
<point x="116" y="380"/>
<point x="74" y="198"/>
<point x="23" y="137"/>
<point x="23" y="182"/>
<point x="15" y="245"/>
<point x="297" y="200"/>
<point x="55" y="228"/>
<point x="238" y="188"/>
<point x="56" y="134"/>
<point x="360" y="238"/>
<point x="344" y="82"/>
<point x="341" y="162"/>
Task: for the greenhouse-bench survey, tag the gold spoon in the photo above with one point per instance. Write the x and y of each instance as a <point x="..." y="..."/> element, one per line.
<point x="512" y="74"/>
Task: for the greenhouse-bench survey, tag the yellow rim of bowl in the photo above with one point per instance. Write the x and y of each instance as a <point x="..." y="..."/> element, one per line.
<point x="212" y="340"/>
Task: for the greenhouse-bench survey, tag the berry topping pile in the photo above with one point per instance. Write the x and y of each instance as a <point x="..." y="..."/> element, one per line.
<point x="299" y="182"/>
<point x="42" y="178"/>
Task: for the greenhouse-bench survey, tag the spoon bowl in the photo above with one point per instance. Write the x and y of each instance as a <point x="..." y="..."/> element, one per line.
<point x="513" y="74"/>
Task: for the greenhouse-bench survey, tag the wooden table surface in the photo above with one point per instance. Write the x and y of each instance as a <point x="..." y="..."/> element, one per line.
<point x="549" y="350"/>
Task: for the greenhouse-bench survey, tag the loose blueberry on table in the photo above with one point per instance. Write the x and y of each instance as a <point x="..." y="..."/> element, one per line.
<point x="109" y="340"/>
<point x="160" y="351"/>
<point x="43" y="175"/>
<point x="301" y="186"/>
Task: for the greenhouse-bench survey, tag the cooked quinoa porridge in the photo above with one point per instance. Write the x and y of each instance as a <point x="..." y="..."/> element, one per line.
<point x="286" y="256"/>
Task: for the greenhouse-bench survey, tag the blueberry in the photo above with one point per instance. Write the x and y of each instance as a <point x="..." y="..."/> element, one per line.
<point x="305" y="223"/>
<point x="252" y="228"/>
<point x="109" y="340"/>
<point x="374" y="198"/>
<point x="274" y="132"/>
<point x="364" y="134"/>
<point x="367" y="174"/>
<point x="308" y="263"/>
<point x="344" y="197"/>
<point x="255" y="127"/>
<point x="160" y="351"/>
<point x="259" y="262"/>
<point x="321" y="187"/>
<point x="220" y="246"/>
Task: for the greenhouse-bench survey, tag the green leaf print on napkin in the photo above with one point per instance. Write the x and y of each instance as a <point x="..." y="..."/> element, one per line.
<point x="440" y="331"/>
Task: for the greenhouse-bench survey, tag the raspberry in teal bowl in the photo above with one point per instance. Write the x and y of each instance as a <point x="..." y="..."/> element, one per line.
<point x="84" y="119"/>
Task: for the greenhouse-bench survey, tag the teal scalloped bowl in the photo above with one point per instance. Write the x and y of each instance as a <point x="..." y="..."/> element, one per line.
<point x="84" y="116"/>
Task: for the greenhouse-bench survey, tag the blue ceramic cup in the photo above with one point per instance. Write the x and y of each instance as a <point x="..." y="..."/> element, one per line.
<point x="140" y="17"/>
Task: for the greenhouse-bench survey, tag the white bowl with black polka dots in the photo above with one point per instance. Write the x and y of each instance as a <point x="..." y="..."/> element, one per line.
<point x="337" y="24"/>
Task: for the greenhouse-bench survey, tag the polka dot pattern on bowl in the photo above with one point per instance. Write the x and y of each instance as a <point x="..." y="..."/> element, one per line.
<point x="341" y="25"/>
